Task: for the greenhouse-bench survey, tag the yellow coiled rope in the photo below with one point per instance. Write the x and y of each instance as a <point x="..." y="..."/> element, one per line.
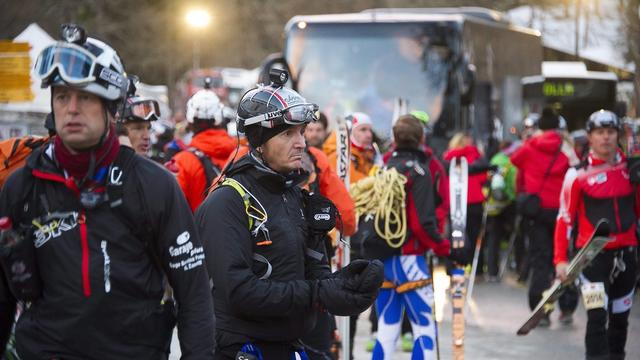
<point x="382" y="195"/>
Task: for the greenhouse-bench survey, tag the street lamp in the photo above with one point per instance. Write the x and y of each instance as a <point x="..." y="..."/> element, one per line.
<point x="197" y="19"/>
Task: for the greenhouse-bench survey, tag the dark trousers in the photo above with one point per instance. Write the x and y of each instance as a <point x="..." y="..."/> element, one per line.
<point x="521" y="250"/>
<point x="606" y="333"/>
<point x="498" y="229"/>
<point x="541" y="231"/>
<point x="474" y="224"/>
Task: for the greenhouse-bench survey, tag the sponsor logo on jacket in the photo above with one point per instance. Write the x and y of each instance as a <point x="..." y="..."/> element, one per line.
<point x="53" y="226"/>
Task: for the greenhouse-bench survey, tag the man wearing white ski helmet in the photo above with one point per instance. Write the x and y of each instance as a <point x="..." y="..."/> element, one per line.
<point x="197" y="166"/>
<point x="108" y="227"/>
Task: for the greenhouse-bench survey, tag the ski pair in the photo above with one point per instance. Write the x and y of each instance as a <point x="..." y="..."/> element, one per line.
<point x="599" y="238"/>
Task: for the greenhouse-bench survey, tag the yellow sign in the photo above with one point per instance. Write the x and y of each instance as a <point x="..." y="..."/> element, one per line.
<point x="8" y="46"/>
<point x="15" y="95"/>
<point x="15" y="69"/>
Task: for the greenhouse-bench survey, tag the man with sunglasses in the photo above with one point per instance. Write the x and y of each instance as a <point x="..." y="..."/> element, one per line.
<point x="109" y="228"/>
<point x="600" y="189"/>
<point x="264" y="244"/>
<point x="134" y="126"/>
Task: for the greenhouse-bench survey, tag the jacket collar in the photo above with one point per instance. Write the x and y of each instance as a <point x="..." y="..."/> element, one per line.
<point x="255" y="167"/>
<point x="593" y="161"/>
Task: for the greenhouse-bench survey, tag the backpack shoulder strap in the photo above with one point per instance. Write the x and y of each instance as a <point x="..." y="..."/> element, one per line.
<point x="211" y="171"/>
<point x="246" y="198"/>
<point x="140" y="223"/>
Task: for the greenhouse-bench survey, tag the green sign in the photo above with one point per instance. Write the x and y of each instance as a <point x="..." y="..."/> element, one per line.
<point x="558" y="89"/>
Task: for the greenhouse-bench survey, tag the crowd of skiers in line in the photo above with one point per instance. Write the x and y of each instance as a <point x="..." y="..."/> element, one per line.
<point x="123" y="251"/>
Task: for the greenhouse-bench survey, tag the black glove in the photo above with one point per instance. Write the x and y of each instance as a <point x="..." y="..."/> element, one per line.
<point x="334" y="295"/>
<point x="352" y="269"/>
<point x="352" y="289"/>
<point x="362" y="275"/>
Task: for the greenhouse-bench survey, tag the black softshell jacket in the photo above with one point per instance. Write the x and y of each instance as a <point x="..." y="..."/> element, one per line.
<point x="278" y="308"/>
<point x="102" y="286"/>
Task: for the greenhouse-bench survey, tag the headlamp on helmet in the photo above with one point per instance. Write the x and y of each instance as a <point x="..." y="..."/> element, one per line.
<point x="73" y="33"/>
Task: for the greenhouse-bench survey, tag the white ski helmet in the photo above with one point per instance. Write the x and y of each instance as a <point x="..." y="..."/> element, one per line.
<point x="85" y="63"/>
<point x="205" y="105"/>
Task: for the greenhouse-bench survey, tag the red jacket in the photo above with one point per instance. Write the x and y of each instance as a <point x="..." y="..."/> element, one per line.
<point x="532" y="160"/>
<point x="441" y="185"/>
<point x="597" y="191"/>
<point x="471" y="153"/>
<point x="216" y="144"/>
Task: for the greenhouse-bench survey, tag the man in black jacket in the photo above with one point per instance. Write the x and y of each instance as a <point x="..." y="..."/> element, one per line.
<point x="262" y="245"/>
<point x="109" y="229"/>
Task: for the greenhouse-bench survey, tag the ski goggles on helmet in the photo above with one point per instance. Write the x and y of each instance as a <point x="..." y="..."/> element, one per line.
<point x="293" y="115"/>
<point x="141" y="109"/>
<point x="603" y="119"/>
<point x="75" y="64"/>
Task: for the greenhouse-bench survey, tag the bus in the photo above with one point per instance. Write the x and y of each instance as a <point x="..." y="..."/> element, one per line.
<point x="572" y="90"/>
<point x="449" y="62"/>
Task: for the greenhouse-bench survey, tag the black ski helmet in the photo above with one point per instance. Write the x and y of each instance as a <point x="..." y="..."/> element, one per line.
<point x="266" y="111"/>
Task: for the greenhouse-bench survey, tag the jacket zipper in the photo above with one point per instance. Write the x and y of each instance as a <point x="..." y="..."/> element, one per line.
<point x="84" y="244"/>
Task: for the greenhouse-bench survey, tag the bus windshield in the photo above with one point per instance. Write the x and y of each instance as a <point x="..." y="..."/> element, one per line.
<point x="366" y="67"/>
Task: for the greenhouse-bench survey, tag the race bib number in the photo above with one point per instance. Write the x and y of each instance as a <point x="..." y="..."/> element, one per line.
<point x="594" y="296"/>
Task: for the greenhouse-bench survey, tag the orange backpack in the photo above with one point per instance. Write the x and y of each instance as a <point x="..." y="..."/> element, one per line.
<point x="14" y="152"/>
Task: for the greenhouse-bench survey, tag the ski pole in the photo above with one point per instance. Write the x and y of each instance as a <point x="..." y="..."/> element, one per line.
<point x="476" y="255"/>
<point x="433" y="287"/>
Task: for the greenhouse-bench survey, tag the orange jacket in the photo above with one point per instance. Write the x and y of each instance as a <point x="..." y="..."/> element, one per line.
<point x="361" y="159"/>
<point x="216" y="144"/>
<point x="332" y="188"/>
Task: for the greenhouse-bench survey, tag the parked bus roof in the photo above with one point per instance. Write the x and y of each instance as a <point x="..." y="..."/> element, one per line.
<point x="568" y="70"/>
<point x="402" y="16"/>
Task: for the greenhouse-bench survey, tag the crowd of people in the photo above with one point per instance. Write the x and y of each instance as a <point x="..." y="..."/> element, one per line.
<point x="131" y="228"/>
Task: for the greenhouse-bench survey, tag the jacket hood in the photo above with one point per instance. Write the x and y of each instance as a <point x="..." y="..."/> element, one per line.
<point x="404" y="153"/>
<point x="469" y="152"/>
<point x="547" y="142"/>
<point x="216" y="143"/>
